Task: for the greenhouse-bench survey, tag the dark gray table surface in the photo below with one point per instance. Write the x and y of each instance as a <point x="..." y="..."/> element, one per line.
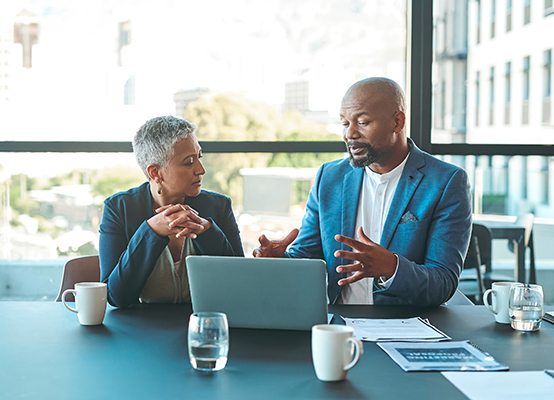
<point x="141" y="353"/>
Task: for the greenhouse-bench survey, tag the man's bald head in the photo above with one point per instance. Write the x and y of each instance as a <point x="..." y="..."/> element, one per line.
<point x="385" y="89"/>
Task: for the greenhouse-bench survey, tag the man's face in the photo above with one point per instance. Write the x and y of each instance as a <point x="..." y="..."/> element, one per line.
<point x="368" y="125"/>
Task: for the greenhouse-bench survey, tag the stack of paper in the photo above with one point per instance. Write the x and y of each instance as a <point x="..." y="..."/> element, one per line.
<point x="395" y="330"/>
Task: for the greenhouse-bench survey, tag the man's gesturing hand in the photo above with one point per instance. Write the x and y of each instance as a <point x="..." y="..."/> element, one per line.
<point x="370" y="259"/>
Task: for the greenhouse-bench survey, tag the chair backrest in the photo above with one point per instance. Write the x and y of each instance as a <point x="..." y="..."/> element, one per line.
<point x="473" y="261"/>
<point x="484" y="240"/>
<point x="80" y="269"/>
<point x="527" y="221"/>
<point x="473" y="256"/>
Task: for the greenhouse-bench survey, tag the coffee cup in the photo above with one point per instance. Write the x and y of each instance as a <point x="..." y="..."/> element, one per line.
<point x="334" y="351"/>
<point x="90" y="302"/>
<point x="500" y="292"/>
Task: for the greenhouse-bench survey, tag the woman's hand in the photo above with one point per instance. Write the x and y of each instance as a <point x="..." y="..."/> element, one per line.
<point x="179" y="220"/>
<point x="274" y="248"/>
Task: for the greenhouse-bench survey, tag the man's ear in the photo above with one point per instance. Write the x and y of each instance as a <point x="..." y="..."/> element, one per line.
<point x="399" y="121"/>
<point x="154" y="172"/>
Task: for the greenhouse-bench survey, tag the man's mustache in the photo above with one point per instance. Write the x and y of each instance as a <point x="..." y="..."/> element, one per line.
<point x="355" y="143"/>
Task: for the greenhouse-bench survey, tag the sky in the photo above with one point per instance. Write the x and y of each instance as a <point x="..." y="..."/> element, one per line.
<point x="74" y="91"/>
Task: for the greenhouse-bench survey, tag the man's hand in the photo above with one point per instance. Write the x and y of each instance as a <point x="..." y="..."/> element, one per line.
<point x="274" y="248"/>
<point x="370" y="259"/>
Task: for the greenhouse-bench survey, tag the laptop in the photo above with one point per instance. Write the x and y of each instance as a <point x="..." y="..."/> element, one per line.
<point x="264" y="293"/>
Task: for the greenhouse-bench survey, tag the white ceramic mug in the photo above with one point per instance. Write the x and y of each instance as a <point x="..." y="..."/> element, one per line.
<point x="333" y="351"/>
<point x="90" y="302"/>
<point x="500" y="299"/>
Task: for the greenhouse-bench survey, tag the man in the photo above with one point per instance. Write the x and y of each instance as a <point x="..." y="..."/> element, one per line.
<point x="410" y="212"/>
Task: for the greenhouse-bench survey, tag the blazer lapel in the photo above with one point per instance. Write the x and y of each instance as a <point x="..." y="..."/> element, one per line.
<point x="351" y="186"/>
<point x="409" y="181"/>
<point x="147" y="201"/>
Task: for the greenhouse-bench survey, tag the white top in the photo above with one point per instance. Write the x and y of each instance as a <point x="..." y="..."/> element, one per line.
<point x="168" y="282"/>
<point x="373" y="207"/>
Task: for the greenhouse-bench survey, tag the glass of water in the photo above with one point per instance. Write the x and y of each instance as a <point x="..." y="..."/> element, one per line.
<point x="526" y="307"/>
<point x="208" y="341"/>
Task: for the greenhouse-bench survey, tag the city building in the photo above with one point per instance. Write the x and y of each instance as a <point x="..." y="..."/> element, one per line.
<point x="492" y="83"/>
<point x="183" y="98"/>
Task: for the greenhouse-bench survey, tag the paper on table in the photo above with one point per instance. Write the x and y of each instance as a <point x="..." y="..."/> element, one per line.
<point x="503" y="385"/>
<point x="395" y="330"/>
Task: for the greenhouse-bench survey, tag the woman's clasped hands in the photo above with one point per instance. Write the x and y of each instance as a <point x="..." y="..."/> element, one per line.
<point x="179" y="220"/>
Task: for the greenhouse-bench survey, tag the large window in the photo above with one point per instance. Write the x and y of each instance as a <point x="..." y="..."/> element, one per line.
<point x="505" y="146"/>
<point x="515" y="50"/>
<point x="264" y="83"/>
<point x="262" y="80"/>
<point x="525" y="47"/>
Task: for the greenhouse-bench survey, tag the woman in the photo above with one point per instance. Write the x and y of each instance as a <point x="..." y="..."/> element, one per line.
<point x="147" y="232"/>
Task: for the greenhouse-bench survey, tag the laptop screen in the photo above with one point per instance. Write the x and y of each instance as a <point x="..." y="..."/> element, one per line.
<point x="267" y="293"/>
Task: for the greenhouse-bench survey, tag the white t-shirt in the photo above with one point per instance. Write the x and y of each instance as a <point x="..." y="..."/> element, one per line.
<point x="373" y="207"/>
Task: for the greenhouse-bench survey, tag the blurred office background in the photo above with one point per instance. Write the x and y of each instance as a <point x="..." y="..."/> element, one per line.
<point x="77" y="79"/>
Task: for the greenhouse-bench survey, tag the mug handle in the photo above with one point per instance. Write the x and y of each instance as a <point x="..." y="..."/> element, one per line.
<point x="486" y="300"/>
<point x="63" y="299"/>
<point x="359" y="351"/>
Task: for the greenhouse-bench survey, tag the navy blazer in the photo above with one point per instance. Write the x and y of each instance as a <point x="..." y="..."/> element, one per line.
<point x="428" y="227"/>
<point x="129" y="248"/>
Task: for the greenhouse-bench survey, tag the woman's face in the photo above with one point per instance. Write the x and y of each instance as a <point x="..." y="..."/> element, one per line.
<point x="183" y="175"/>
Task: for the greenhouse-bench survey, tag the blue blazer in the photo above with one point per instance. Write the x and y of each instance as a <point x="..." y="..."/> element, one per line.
<point x="428" y="227"/>
<point x="129" y="248"/>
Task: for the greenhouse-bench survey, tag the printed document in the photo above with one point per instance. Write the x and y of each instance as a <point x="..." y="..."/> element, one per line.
<point x="395" y="330"/>
<point x="444" y="356"/>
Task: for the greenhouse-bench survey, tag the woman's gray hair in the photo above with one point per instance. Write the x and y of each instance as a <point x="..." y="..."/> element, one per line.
<point x="155" y="140"/>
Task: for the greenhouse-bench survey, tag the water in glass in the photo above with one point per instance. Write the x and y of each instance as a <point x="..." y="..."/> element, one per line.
<point x="208" y="341"/>
<point x="209" y="355"/>
<point x="526" y="318"/>
<point x="526" y="307"/>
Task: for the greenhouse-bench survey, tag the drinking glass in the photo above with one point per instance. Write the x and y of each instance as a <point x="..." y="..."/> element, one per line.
<point x="208" y="341"/>
<point x="526" y="307"/>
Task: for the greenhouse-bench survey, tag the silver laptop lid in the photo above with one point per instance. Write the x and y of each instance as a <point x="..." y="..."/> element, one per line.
<point x="268" y="293"/>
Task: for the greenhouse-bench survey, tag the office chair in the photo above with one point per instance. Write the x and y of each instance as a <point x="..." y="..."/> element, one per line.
<point x="527" y="221"/>
<point x="484" y="236"/>
<point x="472" y="284"/>
<point x="80" y="269"/>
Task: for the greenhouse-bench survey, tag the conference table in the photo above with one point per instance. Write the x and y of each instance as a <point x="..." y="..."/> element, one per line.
<point x="141" y="353"/>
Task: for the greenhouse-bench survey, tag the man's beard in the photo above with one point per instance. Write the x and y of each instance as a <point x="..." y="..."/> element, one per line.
<point x="372" y="155"/>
